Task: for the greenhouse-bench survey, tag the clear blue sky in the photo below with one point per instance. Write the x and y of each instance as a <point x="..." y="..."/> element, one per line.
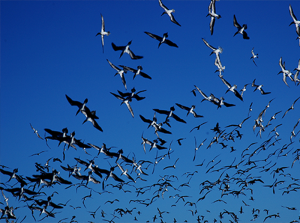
<point x="49" y="49"/>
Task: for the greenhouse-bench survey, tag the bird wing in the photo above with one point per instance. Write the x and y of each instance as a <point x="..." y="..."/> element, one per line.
<point x="235" y="23"/>
<point x="154" y="36"/>
<point x="162" y="5"/>
<point x="177" y="118"/>
<point x="170" y="43"/>
<point x="162" y="111"/>
<point x="116" y="48"/>
<point x="207" y="44"/>
<point x="182" y="107"/>
<point x="113" y="66"/>
<point x="74" y="103"/>
<point x="129" y="108"/>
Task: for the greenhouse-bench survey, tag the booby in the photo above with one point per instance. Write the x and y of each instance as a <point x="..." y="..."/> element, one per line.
<point x="168" y="12"/>
<point x="126" y="49"/>
<point x="241" y="29"/>
<point x="162" y="39"/>
<point x="121" y="72"/>
<point x="103" y="33"/>
<point x="213" y="15"/>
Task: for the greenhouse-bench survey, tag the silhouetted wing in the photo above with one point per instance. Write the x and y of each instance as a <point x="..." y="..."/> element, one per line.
<point x="177" y="118"/>
<point x="74" y="103"/>
<point x="162" y="111"/>
<point x="116" y="48"/>
<point x="154" y="36"/>
<point x="170" y="43"/>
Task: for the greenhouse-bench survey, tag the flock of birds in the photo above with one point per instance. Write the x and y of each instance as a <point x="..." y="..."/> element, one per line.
<point x="236" y="179"/>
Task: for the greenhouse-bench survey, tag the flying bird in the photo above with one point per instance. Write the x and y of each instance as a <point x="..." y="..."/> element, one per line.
<point x="253" y="56"/>
<point x="259" y="87"/>
<point x="125" y="101"/>
<point x="103" y="33"/>
<point x="169" y="114"/>
<point x="216" y="51"/>
<point x="162" y="39"/>
<point x="121" y="72"/>
<point x="136" y="71"/>
<point x="232" y="89"/>
<point x="241" y="29"/>
<point x="285" y="72"/>
<point x="35" y="131"/>
<point x="126" y="49"/>
<point x="295" y="21"/>
<point x="168" y="12"/>
<point x="213" y="15"/>
<point x="189" y="110"/>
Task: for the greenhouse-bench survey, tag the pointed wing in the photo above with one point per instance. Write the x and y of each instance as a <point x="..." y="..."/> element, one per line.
<point x="154" y="36"/>
<point x="74" y="103"/>
<point x="177" y="118"/>
<point x="116" y="48"/>
<point x="129" y="108"/>
<point x="292" y="13"/>
<point x="227" y="104"/>
<point x="145" y="75"/>
<point x="170" y="43"/>
<point x="225" y="82"/>
<point x="133" y="56"/>
<point x="96" y="125"/>
<point x="173" y="20"/>
<point x="235" y="23"/>
<point x="145" y="120"/>
<point x="162" y="111"/>
<point x="182" y="107"/>
<point x="81" y="161"/>
<point x="205" y="97"/>
<point x="113" y="66"/>
<point x="212" y="24"/>
<point x="207" y="44"/>
<point x="162" y="5"/>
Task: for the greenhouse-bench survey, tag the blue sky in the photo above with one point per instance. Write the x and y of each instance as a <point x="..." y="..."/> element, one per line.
<point x="49" y="49"/>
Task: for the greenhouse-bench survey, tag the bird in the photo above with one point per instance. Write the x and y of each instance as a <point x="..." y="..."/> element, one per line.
<point x="241" y="29"/>
<point x="253" y="56"/>
<point x="204" y="95"/>
<point x="290" y="108"/>
<point x="121" y="72"/>
<point x="125" y="172"/>
<point x="81" y="106"/>
<point x="198" y="126"/>
<point x="213" y="15"/>
<point x="216" y="51"/>
<point x="259" y="87"/>
<point x="126" y="49"/>
<point x="103" y="33"/>
<point x="125" y="101"/>
<point x="232" y="89"/>
<point x="35" y="131"/>
<point x="169" y="114"/>
<point x="295" y="21"/>
<point x="168" y="12"/>
<point x="91" y="116"/>
<point x="198" y="147"/>
<point x="285" y="72"/>
<point x="162" y="39"/>
<point x="220" y="102"/>
<point x="137" y="71"/>
<point x="172" y="166"/>
<point x="189" y="110"/>
<point x="238" y="125"/>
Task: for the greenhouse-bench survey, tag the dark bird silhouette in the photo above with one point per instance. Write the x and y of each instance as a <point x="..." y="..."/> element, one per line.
<point x="126" y="49"/>
<point x="162" y="39"/>
<point x="241" y="29"/>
